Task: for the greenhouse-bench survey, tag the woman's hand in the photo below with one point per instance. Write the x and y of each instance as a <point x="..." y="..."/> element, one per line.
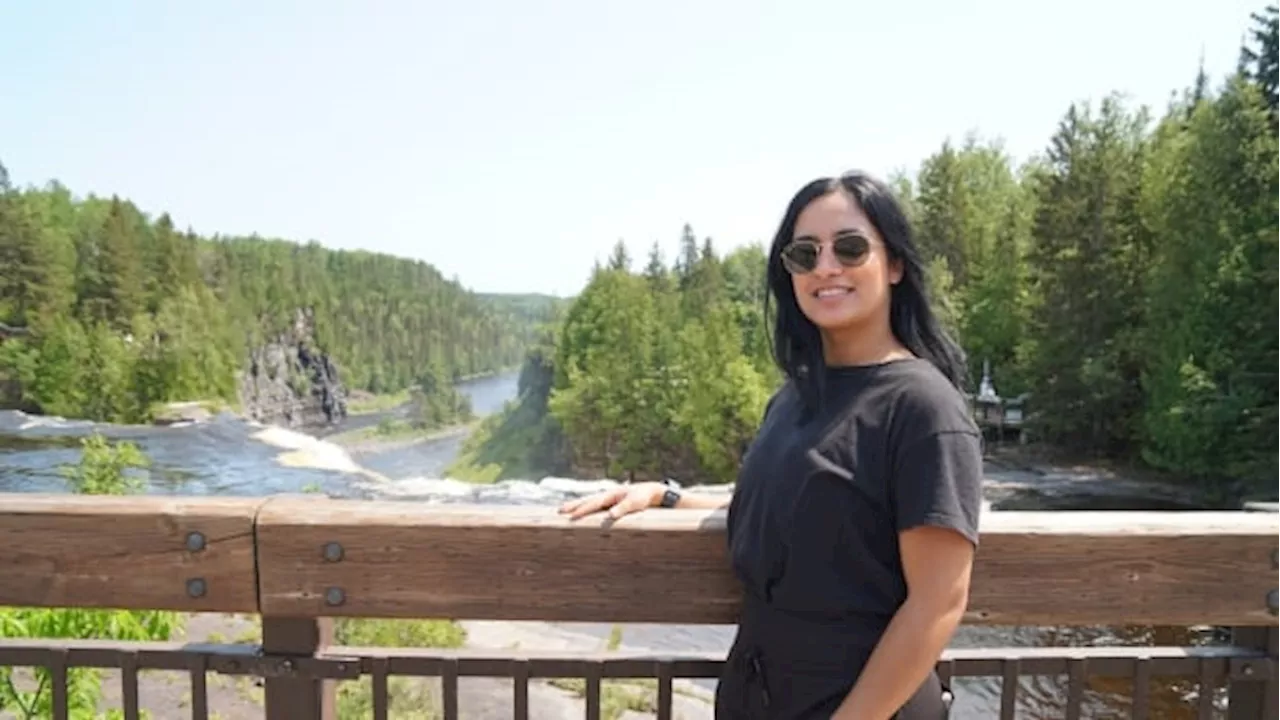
<point x="622" y="500"/>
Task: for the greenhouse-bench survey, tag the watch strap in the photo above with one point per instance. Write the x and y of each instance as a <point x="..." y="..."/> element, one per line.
<point x="671" y="497"/>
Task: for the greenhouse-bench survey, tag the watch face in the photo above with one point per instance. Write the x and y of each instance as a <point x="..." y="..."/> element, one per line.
<point x="670" y="498"/>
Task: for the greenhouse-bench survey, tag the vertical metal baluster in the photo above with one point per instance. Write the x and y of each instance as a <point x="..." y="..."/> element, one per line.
<point x="593" y="691"/>
<point x="1207" y="688"/>
<point x="449" y="679"/>
<point x="1141" y="689"/>
<point x="665" y="695"/>
<point x="1076" y="672"/>
<point x="378" y="677"/>
<point x="199" y="691"/>
<point x="58" y="678"/>
<point x="129" y="685"/>
<point x="1009" y="688"/>
<point x="520" y="688"/>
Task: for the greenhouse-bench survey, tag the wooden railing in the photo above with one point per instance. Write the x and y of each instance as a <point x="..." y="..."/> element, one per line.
<point x="300" y="561"/>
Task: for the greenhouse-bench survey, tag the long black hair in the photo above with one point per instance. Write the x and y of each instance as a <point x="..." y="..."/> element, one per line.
<point x="797" y="343"/>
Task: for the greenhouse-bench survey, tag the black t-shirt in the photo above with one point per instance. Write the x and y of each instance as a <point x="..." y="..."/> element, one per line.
<point x="814" y="520"/>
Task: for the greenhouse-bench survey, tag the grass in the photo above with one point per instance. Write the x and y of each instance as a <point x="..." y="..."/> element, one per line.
<point x="366" y="404"/>
<point x="617" y="696"/>
<point x="399" y="633"/>
<point x="522" y="441"/>
<point x="412" y="698"/>
<point x="392" y="429"/>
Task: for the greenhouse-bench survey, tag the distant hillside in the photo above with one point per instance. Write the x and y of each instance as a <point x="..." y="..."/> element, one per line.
<point x="530" y="307"/>
<point x="124" y="310"/>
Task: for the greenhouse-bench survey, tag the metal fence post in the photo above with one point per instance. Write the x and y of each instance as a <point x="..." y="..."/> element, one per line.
<point x="292" y="698"/>
<point x="1256" y="698"/>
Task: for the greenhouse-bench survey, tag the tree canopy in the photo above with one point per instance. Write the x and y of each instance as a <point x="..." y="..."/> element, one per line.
<point x="122" y="310"/>
<point x="1124" y="279"/>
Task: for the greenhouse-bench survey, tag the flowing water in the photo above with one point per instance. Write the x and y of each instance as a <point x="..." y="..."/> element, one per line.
<point x="228" y="456"/>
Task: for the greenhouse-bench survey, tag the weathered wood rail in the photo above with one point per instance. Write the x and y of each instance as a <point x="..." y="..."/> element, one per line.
<point x="299" y="561"/>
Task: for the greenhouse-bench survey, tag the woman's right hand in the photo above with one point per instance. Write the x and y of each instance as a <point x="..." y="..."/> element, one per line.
<point x="622" y="500"/>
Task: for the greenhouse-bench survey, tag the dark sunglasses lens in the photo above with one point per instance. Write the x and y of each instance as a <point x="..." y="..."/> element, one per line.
<point x="800" y="257"/>
<point x="851" y="249"/>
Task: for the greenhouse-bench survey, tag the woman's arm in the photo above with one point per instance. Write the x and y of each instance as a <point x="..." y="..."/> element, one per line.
<point x="693" y="501"/>
<point x="632" y="498"/>
<point x="935" y="500"/>
<point x="937" y="563"/>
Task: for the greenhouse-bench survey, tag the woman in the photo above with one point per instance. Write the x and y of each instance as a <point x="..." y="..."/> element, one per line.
<point x="854" y="520"/>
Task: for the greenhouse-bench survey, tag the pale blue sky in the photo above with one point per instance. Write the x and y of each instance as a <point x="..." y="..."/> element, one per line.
<point x="512" y="143"/>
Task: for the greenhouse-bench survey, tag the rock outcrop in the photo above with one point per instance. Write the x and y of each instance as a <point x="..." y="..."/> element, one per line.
<point x="289" y="382"/>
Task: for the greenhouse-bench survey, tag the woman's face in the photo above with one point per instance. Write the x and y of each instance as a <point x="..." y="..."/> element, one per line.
<point x="850" y="273"/>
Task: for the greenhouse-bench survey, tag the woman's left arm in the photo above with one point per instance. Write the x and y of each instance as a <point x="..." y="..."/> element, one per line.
<point x="936" y="562"/>
<point x="936" y="500"/>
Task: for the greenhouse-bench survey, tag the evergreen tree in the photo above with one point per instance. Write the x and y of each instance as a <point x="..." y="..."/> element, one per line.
<point x="1261" y="62"/>
<point x="620" y="259"/>
<point x="92" y="281"/>
<point x="1089" y="252"/>
<point x="111" y="276"/>
<point x="1211" y="388"/>
<point x="31" y="281"/>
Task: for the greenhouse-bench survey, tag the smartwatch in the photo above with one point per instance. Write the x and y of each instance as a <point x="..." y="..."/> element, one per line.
<point x="672" y="494"/>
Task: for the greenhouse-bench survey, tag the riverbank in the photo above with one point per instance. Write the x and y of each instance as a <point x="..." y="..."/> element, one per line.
<point x="359" y="403"/>
<point x="396" y="435"/>
<point x="363" y="402"/>
<point x="1101" y="478"/>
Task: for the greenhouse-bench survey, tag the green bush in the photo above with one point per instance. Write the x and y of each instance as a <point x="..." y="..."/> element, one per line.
<point x="102" y="470"/>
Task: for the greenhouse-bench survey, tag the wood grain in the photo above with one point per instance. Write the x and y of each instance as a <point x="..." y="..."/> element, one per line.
<point x="126" y="552"/>
<point x="515" y="563"/>
<point x="1063" y="578"/>
<point x="528" y="563"/>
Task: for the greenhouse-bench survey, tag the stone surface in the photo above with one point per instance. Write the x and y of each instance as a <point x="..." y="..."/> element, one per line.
<point x="288" y="381"/>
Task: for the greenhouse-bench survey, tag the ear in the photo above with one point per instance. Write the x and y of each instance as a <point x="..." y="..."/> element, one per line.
<point x="895" y="271"/>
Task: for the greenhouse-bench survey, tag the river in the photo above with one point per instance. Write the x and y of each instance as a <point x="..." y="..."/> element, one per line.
<point x="228" y="456"/>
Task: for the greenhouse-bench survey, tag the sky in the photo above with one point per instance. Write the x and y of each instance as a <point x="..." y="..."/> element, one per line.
<point x="511" y="144"/>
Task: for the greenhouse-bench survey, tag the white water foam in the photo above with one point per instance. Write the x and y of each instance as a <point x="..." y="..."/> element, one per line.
<point x="306" y="451"/>
<point x="310" y="452"/>
<point x="26" y="421"/>
<point x="547" y="491"/>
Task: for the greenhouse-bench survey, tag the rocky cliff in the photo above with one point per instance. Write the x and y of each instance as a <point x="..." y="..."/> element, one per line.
<point x="289" y="382"/>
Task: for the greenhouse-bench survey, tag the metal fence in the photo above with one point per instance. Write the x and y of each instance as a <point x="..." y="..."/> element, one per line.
<point x="1247" y="674"/>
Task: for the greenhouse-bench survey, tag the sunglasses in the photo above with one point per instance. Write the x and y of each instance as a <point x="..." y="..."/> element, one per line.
<point x="800" y="257"/>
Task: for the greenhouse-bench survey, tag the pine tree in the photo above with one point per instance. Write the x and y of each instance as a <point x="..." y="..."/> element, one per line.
<point x="620" y="259"/>
<point x="1089" y="252"/>
<point x="687" y="260"/>
<point x="111" y="288"/>
<point x="656" y="271"/>
<point x="1261" y="64"/>
<point x="31" y="282"/>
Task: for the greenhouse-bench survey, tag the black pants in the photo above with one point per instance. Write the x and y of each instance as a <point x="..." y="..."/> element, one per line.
<point x="759" y="685"/>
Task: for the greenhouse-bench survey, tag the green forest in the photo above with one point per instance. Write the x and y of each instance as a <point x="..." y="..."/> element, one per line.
<point x="1124" y="278"/>
<point x="120" y="311"/>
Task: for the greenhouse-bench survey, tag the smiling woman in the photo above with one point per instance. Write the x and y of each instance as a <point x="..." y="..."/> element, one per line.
<point x="854" y="519"/>
<point x="842" y="290"/>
